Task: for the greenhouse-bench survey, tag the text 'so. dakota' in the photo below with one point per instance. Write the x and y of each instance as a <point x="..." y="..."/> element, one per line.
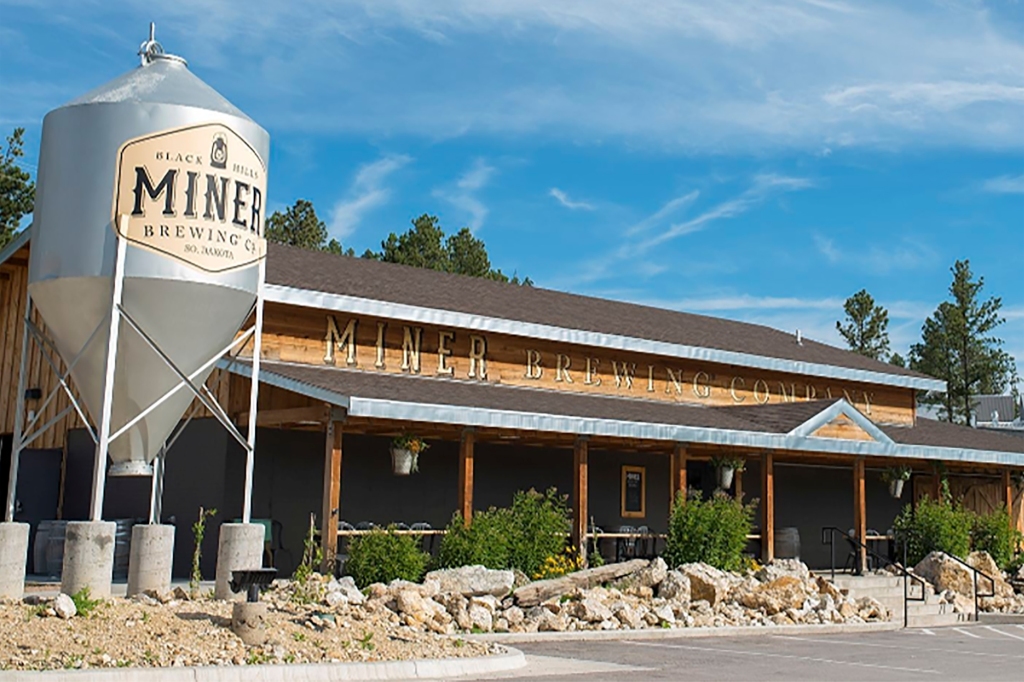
<point x="194" y="194"/>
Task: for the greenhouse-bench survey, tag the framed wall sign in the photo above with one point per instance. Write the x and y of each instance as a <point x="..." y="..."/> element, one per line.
<point x="634" y="492"/>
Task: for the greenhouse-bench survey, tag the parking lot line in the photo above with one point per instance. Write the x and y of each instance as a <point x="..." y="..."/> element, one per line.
<point x="809" y="659"/>
<point x="968" y="633"/>
<point x="876" y="645"/>
<point x="1005" y="634"/>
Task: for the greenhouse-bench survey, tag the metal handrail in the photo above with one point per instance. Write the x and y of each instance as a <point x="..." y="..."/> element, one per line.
<point x="828" y="538"/>
<point x="977" y="572"/>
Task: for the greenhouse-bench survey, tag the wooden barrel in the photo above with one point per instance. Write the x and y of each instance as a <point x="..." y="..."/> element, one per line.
<point x="122" y="547"/>
<point x="787" y="543"/>
<point x="39" y="547"/>
<point x="55" y="548"/>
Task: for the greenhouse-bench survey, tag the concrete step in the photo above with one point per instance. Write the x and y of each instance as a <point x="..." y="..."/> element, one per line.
<point x="867" y="581"/>
<point x="935" y="620"/>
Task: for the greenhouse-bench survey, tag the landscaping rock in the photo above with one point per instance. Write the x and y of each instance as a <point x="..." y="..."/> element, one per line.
<point x="653" y="573"/>
<point x="778" y="568"/>
<point x="706" y="582"/>
<point x="781" y="594"/>
<point x="946" y="574"/>
<point x="675" y="587"/>
<point x="346" y="588"/>
<point x="984" y="562"/>
<point x="589" y="610"/>
<point x="536" y="592"/>
<point x="473" y="581"/>
<point x="64" y="607"/>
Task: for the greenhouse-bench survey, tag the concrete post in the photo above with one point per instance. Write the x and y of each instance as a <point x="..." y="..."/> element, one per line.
<point x="152" y="554"/>
<point x="13" y="556"/>
<point x="239" y="546"/>
<point x="88" y="557"/>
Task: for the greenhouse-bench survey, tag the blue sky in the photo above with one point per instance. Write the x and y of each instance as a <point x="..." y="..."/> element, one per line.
<point x="755" y="160"/>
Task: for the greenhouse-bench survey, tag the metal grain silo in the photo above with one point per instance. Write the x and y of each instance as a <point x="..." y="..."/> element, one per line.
<point x="160" y="158"/>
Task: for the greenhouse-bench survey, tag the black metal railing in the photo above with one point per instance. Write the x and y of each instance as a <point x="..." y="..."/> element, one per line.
<point x="976" y="572"/>
<point x="828" y="537"/>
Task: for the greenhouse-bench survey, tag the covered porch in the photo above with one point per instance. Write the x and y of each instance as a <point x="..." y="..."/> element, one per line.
<point x="478" y="459"/>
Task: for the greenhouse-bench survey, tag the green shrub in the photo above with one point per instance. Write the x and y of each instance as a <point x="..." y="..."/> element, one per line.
<point x="995" y="533"/>
<point x="713" y="531"/>
<point x="382" y="556"/>
<point x="484" y="542"/>
<point x="942" y="525"/>
<point x="522" y="536"/>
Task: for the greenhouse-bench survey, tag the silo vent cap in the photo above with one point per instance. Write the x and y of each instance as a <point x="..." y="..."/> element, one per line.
<point x="150" y="50"/>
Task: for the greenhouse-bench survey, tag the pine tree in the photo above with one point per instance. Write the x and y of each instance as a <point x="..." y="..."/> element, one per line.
<point x="866" y="329"/>
<point x="958" y="346"/>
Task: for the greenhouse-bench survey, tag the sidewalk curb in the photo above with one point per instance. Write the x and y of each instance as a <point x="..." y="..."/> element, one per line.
<point x="681" y="633"/>
<point x="443" y="668"/>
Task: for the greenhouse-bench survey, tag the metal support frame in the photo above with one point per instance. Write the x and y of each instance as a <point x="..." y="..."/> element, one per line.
<point x="102" y="437"/>
<point x="254" y="385"/>
<point x="19" y="421"/>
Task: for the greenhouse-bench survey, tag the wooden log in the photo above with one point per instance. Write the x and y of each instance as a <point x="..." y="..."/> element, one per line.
<point x="540" y="591"/>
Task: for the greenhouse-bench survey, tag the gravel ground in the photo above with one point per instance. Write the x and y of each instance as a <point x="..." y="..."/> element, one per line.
<point x="124" y="633"/>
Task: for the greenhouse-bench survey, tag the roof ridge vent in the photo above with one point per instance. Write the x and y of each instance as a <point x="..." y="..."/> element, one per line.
<point x="799" y="338"/>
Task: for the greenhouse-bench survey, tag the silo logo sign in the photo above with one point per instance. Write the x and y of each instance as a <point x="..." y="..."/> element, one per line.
<point x="180" y="194"/>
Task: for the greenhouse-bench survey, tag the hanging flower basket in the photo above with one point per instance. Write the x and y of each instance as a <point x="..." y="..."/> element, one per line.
<point x="405" y="453"/>
<point x="726" y="468"/>
<point x="896" y="477"/>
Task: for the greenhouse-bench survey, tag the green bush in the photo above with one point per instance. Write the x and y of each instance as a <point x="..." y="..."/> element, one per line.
<point x="994" y="533"/>
<point x="713" y="531"/>
<point x="522" y="536"/>
<point x="941" y="525"/>
<point x="484" y="542"/>
<point x="382" y="556"/>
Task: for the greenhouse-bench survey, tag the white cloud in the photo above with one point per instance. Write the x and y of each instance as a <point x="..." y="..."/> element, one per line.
<point x="564" y="200"/>
<point x="762" y="187"/>
<point x="904" y="253"/>
<point x="464" y="195"/>
<point x="366" y="193"/>
<point x="773" y="73"/>
<point x="1004" y="184"/>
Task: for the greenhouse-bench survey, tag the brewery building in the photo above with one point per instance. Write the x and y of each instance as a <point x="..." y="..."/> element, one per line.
<point x="619" y="406"/>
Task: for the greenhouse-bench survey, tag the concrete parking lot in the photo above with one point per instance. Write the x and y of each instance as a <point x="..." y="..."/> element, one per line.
<point x="969" y="652"/>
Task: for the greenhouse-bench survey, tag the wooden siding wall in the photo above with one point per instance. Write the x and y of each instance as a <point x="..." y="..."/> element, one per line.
<point x="293" y="334"/>
<point x="13" y="286"/>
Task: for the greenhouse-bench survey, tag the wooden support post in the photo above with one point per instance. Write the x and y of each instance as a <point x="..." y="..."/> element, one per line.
<point x="767" y="507"/>
<point x="860" y="517"/>
<point x="737" y="484"/>
<point x="1008" y="495"/>
<point x="332" y="496"/>
<point x="677" y="475"/>
<point x="466" y="476"/>
<point x="580" y="514"/>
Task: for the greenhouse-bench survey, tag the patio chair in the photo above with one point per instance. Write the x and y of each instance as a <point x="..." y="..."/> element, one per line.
<point x="426" y="541"/>
<point x="625" y="548"/>
<point x="645" y="543"/>
<point x="365" y="525"/>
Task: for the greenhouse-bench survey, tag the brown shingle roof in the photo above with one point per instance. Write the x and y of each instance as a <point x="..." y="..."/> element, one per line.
<point x="440" y="391"/>
<point x="946" y="435"/>
<point x="299" y="268"/>
<point x="774" y="419"/>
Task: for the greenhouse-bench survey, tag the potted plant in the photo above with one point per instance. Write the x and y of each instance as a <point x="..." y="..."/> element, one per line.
<point x="725" y="467"/>
<point x="405" y="452"/>
<point x="895" y="477"/>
